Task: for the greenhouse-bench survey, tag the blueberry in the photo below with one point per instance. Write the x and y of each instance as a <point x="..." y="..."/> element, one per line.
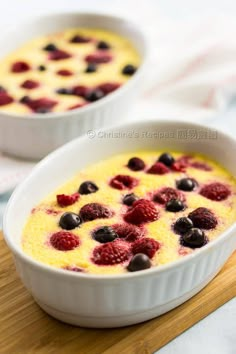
<point x="64" y="91"/>
<point x="105" y="234"/>
<point x="69" y="221"/>
<point x="94" y="95"/>
<point x="186" y="184"/>
<point x="88" y="187"/>
<point x="194" y="238"/>
<point x="139" y="262"/>
<point x="129" y="69"/>
<point x="129" y="199"/>
<point x="175" y="205"/>
<point x="41" y="68"/>
<point x="42" y="110"/>
<point x="182" y="225"/>
<point x="25" y="99"/>
<point x="103" y="45"/>
<point x="136" y="164"/>
<point x="91" y="68"/>
<point x="50" y="47"/>
<point x="167" y="159"/>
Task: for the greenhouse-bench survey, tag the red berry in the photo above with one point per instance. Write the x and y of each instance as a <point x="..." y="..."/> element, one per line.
<point x="111" y="253"/>
<point x="128" y="232"/>
<point x="158" y="169"/>
<point x="164" y="195"/>
<point x="20" y="67"/>
<point x="98" y="58"/>
<point x="64" y="72"/>
<point x="64" y="200"/>
<point x="179" y="166"/>
<point x="78" y="105"/>
<point x="41" y="104"/>
<point x="30" y="84"/>
<point x="123" y="182"/>
<point x="215" y="191"/>
<point x="200" y="166"/>
<point x="142" y="211"/>
<point x="59" y="55"/>
<point x="64" y="241"/>
<point x="94" y="211"/>
<point x="146" y="245"/>
<point x="108" y="87"/>
<point x="80" y="91"/>
<point x="74" y="269"/>
<point x="5" y="99"/>
<point x="203" y="218"/>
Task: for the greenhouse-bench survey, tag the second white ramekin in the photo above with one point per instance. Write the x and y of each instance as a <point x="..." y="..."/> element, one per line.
<point x="34" y="136"/>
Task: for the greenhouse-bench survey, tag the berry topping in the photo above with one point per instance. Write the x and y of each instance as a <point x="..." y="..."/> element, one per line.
<point x="69" y="221"/>
<point x="129" y="199"/>
<point x="108" y="87"/>
<point x="215" y="191"/>
<point x="50" y="47"/>
<point x="88" y="187"/>
<point x="194" y="238"/>
<point x="41" y="105"/>
<point x="2" y="89"/>
<point x="74" y="269"/>
<point x="166" y="159"/>
<point x="186" y="184"/>
<point x="80" y="90"/>
<point x="203" y="218"/>
<point x="64" y="91"/>
<point x="136" y="164"/>
<point x="41" y="67"/>
<point x="59" y="55"/>
<point x="128" y="232"/>
<point x="98" y="58"/>
<point x="91" y="68"/>
<point x="94" y="211"/>
<point x="123" y="182"/>
<point x="158" y="169"/>
<point x="129" y="69"/>
<point x="25" y="99"/>
<point x="64" y="241"/>
<point x="78" y="38"/>
<point x="175" y="205"/>
<point x="146" y="245"/>
<point x="103" y="45"/>
<point x="182" y="225"/>
<point x="30" y="84"/>
<point x="64" y="200"/>
<point x="78" y="105"/>
<point x="94" y="95"/>
<point x="111" y="253"/>
<point x="179" y="166"/>
<point x="64" y="72"/>
<point x="20" y="67"/>
<point x="5" y="99"/>
<point x="139" y="262"/>
<point x="201" y="166"/>
<point x="165" y="194"/>
<point x="105" y="234"/>
<point x="142" y="211"/>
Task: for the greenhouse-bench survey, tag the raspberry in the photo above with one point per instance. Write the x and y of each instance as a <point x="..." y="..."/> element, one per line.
<point x="215" y="191"/>
<point x="94" y="211"/>
<point x="141" y="211"/>
<point x="5" y="99"/>
<point x="30" y="84"/>
<point x="78" y="105"/>
<point x="20" y="67"/>
<point x="111" y="253"/>
<point x="98" y="58"/>
<point x="201" y="166"/>
<point x="108" y="87"/>
<point x="123" y="182"/>
<point x="158" y="169"/>
<point x="80" y="91"/>
<point x="64" y="241"/>
<point x="41" y="105"/>
<point x="128" y="232"/>
<point x="146" y="245"/>
<point x="64" y="72"/>
<point x="64" y="200"/>
<point x="59" y="55"/>
<point x="203" y="218"/>
<point x="166" y="194"/>
<point x="179" y="166"/>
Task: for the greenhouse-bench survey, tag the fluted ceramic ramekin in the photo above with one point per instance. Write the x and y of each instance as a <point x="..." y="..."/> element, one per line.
<point x="117" y="300"/>
<point x="34" y="136"/>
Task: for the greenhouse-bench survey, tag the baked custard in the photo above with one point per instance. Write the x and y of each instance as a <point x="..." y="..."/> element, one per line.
<point x="132" y="212"/>
<point x="65" y="71"/>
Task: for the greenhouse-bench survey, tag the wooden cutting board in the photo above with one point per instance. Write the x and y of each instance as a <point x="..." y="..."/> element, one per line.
<point x="25" y="328"/>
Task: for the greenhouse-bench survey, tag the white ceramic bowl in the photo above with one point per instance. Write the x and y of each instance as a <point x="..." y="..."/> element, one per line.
<point x="34" y="136"/>
<point x="111" y="301"/>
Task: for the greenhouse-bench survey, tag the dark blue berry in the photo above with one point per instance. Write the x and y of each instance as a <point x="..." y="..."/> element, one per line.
<point x="69" y="221"/>
<point x="182" y="225"/>
<point x="194" y="238"/>
<point x="139" y="262"/>
<point x="91" y="68"/>
<point x="94" y="95"/>
<point x="166" y="159"/>
<point x="129" y="199"/>
<point x="102" y="45"/>
<point x="186" y="184"/>
<point x="105" y="234"/>
<point x="175" y="205"/>
<point x="129" y="69"/>
<point x="50" y="47"/>
<point x="88" y="187"/>
<point x="136" y="164"/>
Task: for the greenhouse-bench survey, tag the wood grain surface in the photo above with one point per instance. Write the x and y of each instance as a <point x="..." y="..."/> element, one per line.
<point x="25" y="328"/>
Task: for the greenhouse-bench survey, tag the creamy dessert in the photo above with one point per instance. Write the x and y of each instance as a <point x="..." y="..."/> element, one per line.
<point x="132" y="212"/>
<point x="66" y="70"/>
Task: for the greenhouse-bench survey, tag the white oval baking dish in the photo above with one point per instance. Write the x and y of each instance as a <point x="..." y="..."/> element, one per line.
<point x="34" y="136"/>
<point x="112" y="301"/>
